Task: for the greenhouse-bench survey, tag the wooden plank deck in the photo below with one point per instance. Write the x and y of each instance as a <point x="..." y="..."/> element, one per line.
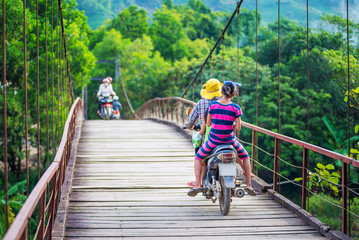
<point x="130" y="182"/>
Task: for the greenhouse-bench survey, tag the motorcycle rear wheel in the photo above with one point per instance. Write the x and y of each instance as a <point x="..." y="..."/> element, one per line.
<point x="225" y="199"/>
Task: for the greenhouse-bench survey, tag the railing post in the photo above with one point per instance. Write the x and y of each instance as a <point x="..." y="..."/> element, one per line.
<point x="52" y="210"/>
<point x="183" y="112"/>
<point x="275" y="170"/>
<point x="254" y="140"/>
<point x="42" y="216"/>
<point x="344" y="197"/>
<point x="167" y="109"/>
<point x="177" y="111"/>
<point x="163" y="109"/>
<point x="171" y="104"/>
<point x="305" y="177"/>
<point x="157" y="111"/>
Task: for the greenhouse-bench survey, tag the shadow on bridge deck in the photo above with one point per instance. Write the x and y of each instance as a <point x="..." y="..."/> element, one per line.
<point x="130" y="182"/>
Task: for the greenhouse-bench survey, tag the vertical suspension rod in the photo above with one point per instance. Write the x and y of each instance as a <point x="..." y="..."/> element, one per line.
<point x="238" y="49"/>
<point x="308" y="79"/>
<point x="279" y="121"/>
<point x="345" y="167"/>
<point x="38" y="88"/>
<point x="47" y="91"/>
<point x="257" y="62"/>
<point x="4" y="112"/>
<point x="52" y="78"/>
<point x="26" y="107"/>
<point x="65" y="49"/>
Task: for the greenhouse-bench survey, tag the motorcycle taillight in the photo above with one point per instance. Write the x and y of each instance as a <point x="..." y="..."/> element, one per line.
<point x="226" y="156"/>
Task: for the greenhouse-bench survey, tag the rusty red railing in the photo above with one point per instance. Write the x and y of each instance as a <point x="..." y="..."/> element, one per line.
<point x="50" y="182"/>
<point x="165" y="108"/>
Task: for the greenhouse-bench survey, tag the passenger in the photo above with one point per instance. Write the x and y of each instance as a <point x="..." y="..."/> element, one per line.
<point x="103" y="85"/>
<point x="104" y="89"/>
<point x="211" y="89"/>
<point x="223" y="116"/>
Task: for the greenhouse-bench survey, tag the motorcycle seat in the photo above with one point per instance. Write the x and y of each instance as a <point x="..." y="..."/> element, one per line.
<point x="219" y="148"/>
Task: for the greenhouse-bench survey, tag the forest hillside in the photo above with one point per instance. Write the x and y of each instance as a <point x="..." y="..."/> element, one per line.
<point x="99" y="11"/>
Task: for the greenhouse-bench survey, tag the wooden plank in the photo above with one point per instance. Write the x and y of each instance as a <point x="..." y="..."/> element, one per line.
<point x="131" y="180"/>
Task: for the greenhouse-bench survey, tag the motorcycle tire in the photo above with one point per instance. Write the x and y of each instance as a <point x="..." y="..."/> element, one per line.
<point x="225" y="199"/>
<point x="107" y="113"/>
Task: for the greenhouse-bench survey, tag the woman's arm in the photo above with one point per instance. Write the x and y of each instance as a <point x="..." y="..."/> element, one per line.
<point x="209" y="120"/>
<point x="203" y="129"/>
<point x="238" y="124"/>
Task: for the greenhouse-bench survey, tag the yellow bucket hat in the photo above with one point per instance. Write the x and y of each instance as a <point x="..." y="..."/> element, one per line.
<point x="211" y="89"/>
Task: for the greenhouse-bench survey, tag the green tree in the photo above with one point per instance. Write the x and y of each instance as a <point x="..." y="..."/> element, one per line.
<point x="131" y="22"/>
<point x="167" y="34"/>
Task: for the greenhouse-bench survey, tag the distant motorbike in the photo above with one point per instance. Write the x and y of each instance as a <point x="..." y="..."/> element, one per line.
<point x="116" y="108"/>
<point x="107" y="108"/>
<point x="220" y="179"/>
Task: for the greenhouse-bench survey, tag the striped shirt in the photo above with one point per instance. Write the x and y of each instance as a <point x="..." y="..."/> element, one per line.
<point x="223" y="117"/>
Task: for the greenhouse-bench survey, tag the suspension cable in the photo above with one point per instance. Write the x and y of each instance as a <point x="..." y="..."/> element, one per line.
<point x="238" y="50"/>
<point x="47" y="91"/>
<point x="345" y="168"/>
<point x="125" y="92"/>
<point x="52" y="78"/>
<point x="38" y="89"/>
<point x="308" y="79"/>
<point x="223" y="51"/>
<point x="279" y="120"/>
<point x="257" y="62"/>
<point x="58" y="76"/>
<point x="4" y="112"/>
<point x="65" y="50"/>
<point x="26" y="106"/>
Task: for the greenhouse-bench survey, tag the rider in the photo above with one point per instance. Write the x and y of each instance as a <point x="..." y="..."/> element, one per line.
<point x="223" y="116"/>
<point x="210" y="90"/>
<point x="105" y="88"/>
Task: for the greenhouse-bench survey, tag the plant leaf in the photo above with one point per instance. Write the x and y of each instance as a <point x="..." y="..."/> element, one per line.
<point x="320" y="166"/>
<point x="330" y="167"/>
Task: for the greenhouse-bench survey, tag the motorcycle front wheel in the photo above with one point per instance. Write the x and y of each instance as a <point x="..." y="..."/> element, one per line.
<point x="107" y="113"/>
<point x="225" y="199"/>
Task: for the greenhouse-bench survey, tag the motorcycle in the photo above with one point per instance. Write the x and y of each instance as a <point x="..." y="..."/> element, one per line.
<point x="220" y="179"/>
<point x="106" y="107"/>
<point x="116" y="108"/>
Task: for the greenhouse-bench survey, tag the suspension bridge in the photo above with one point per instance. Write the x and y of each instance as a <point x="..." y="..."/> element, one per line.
<point x="128" y="178"/>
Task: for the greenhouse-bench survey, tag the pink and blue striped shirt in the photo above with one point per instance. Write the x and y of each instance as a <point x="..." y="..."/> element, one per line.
<point x="223" y="117"/>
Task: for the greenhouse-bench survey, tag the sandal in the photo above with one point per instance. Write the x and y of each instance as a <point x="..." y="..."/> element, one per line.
<point x="250" y="191"/>
<point x="194" y="191"/>
<point x="191" y="184"/>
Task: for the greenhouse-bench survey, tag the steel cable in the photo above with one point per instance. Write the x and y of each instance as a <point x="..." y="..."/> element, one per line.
<point x="58" y="77"/>
<point x="125" y="92"/>
<point x="52" y="79"/>
<point x="5" y="112"/>
<point x="47" y="90"/>
<point x="38" y="89"/>
<point x="26" y="107"/>
<point x="345" y="168"/>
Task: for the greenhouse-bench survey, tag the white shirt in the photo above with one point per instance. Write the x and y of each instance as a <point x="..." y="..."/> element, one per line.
<point x="105" y="90"/>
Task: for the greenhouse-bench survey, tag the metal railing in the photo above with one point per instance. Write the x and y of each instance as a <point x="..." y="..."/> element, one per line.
<point x="50" y="183"/>
<point x="164" y="108"/>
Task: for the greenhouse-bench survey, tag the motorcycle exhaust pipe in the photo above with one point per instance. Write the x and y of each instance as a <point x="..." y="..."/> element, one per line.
<point x="239" y="193"/>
